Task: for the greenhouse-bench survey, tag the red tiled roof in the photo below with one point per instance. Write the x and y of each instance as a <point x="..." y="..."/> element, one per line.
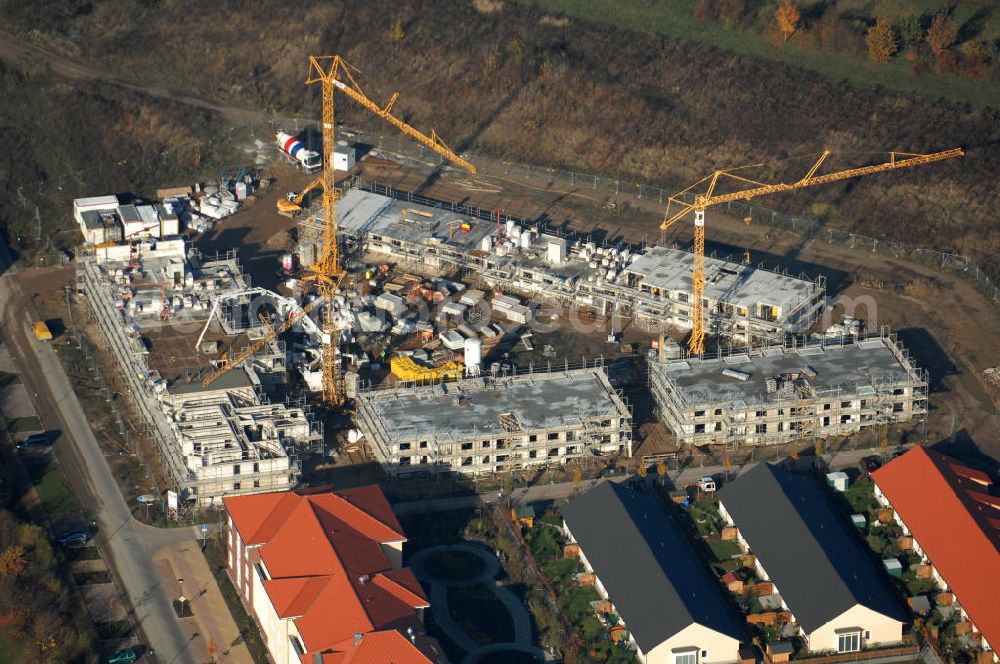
<point x="943" y="504"/>
<point x="385" y="647"/>
<point x="327" y="569"/>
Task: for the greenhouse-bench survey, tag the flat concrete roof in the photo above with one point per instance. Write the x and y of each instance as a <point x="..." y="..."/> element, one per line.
<point x="854" y="366"/>
<point x="734" y="283"/>
<point x="473" y="407"/>
<point x="361" y="212"/>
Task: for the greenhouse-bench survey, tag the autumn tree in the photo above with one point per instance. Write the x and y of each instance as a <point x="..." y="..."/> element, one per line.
<point x="661" y="470"/>
<point x="577" y="475"/>
<point x="731" y="11"/>
<point x="942" y="34"/>
<point x="397" y="33"/>
<point x="788" y="18"/>
<point x="881" y="40"/>
<point x="12" y="561"/>
<point x="642" y="470"/>
<point x="704" y="10"/>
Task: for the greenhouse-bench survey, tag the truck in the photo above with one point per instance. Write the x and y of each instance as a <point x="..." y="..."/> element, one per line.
<point x="308" y="160"/>
<point x="42" y="331"/>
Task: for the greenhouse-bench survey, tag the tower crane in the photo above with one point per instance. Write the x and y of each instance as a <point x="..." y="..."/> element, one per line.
<point x="270" y="333"/>
<point x="752" y="189"/>
<point x="333" y="73"/>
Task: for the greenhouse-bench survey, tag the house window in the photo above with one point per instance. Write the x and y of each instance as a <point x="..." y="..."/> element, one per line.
<point x="297" y="646"/>
<point x="423" y="444"/>
<point x="704" y="654"/>
<point x="686" y="657"/>
<point x="849" y="641"/>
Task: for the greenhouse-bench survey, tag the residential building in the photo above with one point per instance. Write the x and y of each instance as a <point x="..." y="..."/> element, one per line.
<point x="953" y="515"/>
<point x="488" y="423"/>
<point x="643" y="564"/>
<point x="320" y="571"/>
<point x="824" y="578"/>
<point x="772" y="395"/>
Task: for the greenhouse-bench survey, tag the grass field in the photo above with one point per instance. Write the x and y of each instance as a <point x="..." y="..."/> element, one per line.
<point x="24" y="424"/>
<point x="53" y="489"/>
<point x="10" y="652"/>
<point x="675" y="19"/>
<point x="723" y="550"/>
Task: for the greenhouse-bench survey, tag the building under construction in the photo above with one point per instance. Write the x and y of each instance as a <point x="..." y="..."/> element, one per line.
<point x="169" y="317"/>
<point x="781" y="393"/>
<point x="496" y="423"/>
<point x="652" y="286"/>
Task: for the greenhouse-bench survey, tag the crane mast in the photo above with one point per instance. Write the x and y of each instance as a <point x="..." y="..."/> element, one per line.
<point x="334" y="74"/>
<point x="708" y="198"/>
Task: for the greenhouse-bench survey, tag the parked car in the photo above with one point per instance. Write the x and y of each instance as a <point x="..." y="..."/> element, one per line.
<point x="34" y="441"/>
<point x="869" y="465"/>
<point x="123" y="656"/>
<point x="77" y="537"/>
<point x="706" y="483"/>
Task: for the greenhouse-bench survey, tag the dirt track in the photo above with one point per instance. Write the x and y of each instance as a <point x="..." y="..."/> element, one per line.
<point x="16" y="50"/>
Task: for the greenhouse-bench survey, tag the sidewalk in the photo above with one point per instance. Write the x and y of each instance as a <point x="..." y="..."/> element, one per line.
<point x="211" y="626"/>
<point x="546" y="492"/>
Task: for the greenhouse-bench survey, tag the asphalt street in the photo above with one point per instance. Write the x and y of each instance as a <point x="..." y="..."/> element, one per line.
<point x="127" y="543"/>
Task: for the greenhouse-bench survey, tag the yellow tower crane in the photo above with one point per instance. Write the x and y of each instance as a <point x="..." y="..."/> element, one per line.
<point x="708" y="198"/>
<point x="334" y="74"/>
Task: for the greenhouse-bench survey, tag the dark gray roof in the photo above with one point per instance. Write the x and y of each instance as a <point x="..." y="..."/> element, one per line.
<point x="231" y="380"/>
<point x="647" y="565"/>
<point x="811" y="556"/>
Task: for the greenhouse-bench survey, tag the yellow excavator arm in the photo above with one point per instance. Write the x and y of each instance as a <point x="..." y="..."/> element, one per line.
<point x="293" y="204"/>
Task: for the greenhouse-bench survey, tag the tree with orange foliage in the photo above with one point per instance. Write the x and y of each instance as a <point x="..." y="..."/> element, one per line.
<point x="788" y="18"/>
<point x="12" y="561"/>
<point x="881" y="40"/>
<point x="942" y="34"/>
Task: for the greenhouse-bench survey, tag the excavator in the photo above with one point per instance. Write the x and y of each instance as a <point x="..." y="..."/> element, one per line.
<point x="292" y="202"/>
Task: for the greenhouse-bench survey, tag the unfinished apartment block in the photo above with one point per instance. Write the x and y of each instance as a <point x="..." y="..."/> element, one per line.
<point x="168" y="316"/>
<point x="231" y="441"/>
<point x="776" y="394"/>
<point x="652" y="286"/>
<point x="496" y="423"/>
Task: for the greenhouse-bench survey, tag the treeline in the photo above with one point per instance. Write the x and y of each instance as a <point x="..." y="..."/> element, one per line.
<point x="931" y="40"/>
<point x="37" y="611"/>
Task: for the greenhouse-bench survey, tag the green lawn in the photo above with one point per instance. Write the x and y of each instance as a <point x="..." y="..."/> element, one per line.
<point x="53" y="489"/>
<point x="675" y="19"/>
<point x="9" y="379"/>
<point x="10" y="650"/>
<point x="24" y="424"/>
<point x="860" y="496"/>
<point x="723" y="550"/>
<point x="482" y="615"/>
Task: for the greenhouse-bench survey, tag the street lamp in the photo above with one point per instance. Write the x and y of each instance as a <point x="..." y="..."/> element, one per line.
<point x="181" y="599"/>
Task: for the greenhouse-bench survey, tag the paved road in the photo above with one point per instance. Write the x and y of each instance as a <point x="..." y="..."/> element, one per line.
<point x="546" y="492"/>
<point x="120" y="536"/>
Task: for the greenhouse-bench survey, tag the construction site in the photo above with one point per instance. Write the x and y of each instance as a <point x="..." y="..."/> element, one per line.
<point x="775" y="394"/>
<point x="442" y="337"/>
